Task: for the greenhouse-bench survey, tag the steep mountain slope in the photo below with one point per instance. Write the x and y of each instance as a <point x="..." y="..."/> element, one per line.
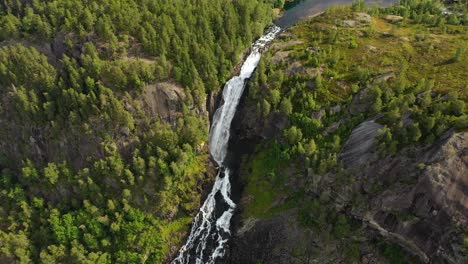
<point x="103" y="122"/>
<point x="354" y="140"/>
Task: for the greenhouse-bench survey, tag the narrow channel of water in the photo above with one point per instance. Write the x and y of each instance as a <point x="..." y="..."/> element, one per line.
<point x="211" y="227"/>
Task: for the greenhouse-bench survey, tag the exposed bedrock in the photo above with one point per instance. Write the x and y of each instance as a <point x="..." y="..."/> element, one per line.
<point x="416" y="198"/>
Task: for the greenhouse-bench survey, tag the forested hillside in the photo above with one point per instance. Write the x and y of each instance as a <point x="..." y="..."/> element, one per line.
<point x="103" y="122"/>
<point x="360" y="120"/>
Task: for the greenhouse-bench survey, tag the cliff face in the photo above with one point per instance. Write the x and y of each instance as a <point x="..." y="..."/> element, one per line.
<point x="421" y="204"/>
<point x="348" y="179"/>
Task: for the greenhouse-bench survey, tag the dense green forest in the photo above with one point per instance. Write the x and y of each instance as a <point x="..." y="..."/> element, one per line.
<point x="87" y="175"/>
<point x="404" y="66"/>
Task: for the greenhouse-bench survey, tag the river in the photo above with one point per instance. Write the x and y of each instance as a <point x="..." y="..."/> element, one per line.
<point x="306" y="8"/>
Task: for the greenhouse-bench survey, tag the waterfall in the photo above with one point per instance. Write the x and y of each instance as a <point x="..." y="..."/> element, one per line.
<point x="211" y="227"/>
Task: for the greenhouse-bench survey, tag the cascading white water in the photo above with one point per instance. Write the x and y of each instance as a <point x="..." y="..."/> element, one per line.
<point x="211" y="227"/>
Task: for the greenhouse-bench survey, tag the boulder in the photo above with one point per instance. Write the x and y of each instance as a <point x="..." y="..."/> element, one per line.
<point x="385" y="76"/>
<point x="350" y="23"/>
<point x="331" y="128"/>
<point x="393" y="18"/>
<point x="371" y="48"/>
<point x="363" y="18"/>
<point x="318" y="114"/>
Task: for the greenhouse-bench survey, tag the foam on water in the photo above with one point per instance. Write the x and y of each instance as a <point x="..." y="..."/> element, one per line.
<point x="211" y="229"/>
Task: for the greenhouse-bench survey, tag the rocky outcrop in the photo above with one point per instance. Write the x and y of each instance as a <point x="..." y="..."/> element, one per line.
<point x="425" y="197"/>
<point x="163" y="100"/>
<point x="393" y="18"/>
<point x="416" y="199"/>
<point x="360" y="20"/>
<point x="357" y="149"/>
<point x="360" y="103"/>
<point x="446" y="173"/>
<point x="248" y="125"/>
<point x="279" y="240"/>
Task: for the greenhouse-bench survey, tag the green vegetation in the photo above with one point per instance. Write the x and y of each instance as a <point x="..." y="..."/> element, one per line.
<point x="388" y="78"/>
<point x="88" y="173"/>
<point x="327" y="77"/>
<point x="395" y="254"/>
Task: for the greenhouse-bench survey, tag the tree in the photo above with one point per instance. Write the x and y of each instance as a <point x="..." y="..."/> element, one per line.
<point x="9" y="26"/>
<point x="53" y="254"/>
<point x="29" y="171"/>
<point x="318" y="82"/>
<point x="51" y="173"/>
<point x="413" y="132"/>
<point x="275" y="97"/>
<point x="15" y="247"/>
<point x="310" y="147"/>
<point x="375" y="94"/>
<point x="358" y="5"/>
<point x="453" y="19"/>
<point x="286" y="106"/>
<point x="293" y="135"/>
<point x="265" y="107"/>
<point x="427" y="123"/>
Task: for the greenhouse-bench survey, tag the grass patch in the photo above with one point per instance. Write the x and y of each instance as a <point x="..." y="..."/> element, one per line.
<point x="173" y="232"/>
<point x="265" y="183"/>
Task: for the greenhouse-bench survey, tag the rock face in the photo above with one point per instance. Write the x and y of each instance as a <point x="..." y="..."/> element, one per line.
<point x="421" y="217"/>
<point x="277" y="240"/>
<point x="164" y="100"/>
<point x="446" y="174"/>
<point x="247" y="125"/>
<point x="161" y="100"/>
<point x="357" y="149"/>
<point x="360" y="103"/>
<point x="415" y="199"/>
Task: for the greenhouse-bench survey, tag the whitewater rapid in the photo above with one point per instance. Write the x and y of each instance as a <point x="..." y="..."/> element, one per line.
<point x="211" y="227"/>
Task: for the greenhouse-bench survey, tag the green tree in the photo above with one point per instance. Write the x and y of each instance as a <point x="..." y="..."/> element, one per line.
<point x="286" y="106"/>
<point x="275" y="97"/>
<point x="413" y="132"/>
<point x="310" y="147"/>
<point x="9" y="27"/>
<point x="293" y="135"/>
<point x="266" y="107"/>
<point x="51" y="173"/>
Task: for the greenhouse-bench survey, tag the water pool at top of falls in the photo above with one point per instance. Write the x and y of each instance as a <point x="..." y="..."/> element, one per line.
<point x="305" y="8"/>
